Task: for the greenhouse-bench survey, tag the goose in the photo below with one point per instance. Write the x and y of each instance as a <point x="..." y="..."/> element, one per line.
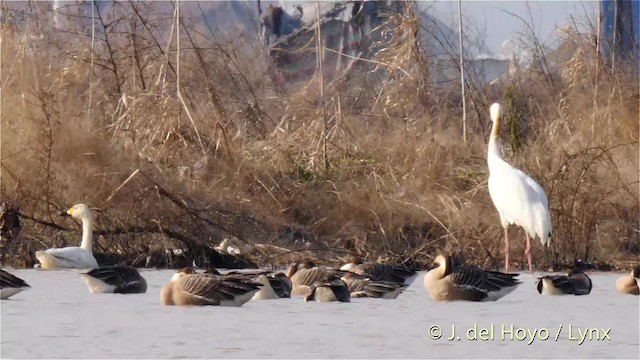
<point x="628" y="284"/>
<point x="445" y="282"/>
<point x="118" y="279"/>
<point x="275" y="285"/>
<point x="10" y="285"/>
<point x="190" y="288"/>
<point x="328" y="291"/>
<point x="574" y="283"/>
<point x="361" y="286"/>
<point x="305" y="274"/>
<point x="229" y="247"/>
<point x="73" y="257"/>
<point x="380" y="272"/>
<point x="517" y="197"/>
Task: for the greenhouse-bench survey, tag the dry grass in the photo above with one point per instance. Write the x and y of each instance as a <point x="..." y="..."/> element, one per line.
<point x="228" y="156"/>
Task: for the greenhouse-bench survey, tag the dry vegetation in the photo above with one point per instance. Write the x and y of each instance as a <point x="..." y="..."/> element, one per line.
<point x="373" y="167"/>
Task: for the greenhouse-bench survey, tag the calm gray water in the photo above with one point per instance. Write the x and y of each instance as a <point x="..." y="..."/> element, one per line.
<point x="60" y="318"/>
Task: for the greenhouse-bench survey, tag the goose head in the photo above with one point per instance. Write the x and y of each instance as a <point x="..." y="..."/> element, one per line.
<point x="354" y="259"/>
<point x="636" y="271"/>
<point x="224" y="244"/>
<point x="442" y="265"/>
<point x="80" y="212"/>
<point x="293" y="268"/>
<point x="352" y="262"/>
<point x="304" y="264"/>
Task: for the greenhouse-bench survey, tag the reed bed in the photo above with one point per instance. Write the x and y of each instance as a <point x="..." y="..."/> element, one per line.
<point x="179" y="139"/>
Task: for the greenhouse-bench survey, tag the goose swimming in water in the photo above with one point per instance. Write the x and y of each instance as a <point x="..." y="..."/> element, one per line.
<point x="275" y="285"/>
<point x="305" y="274"/>
<point x="73" y="257"/>
<point x="329" y="291"/>
<point x="380" y="272"/>
<point x="574" y="283"/>
<point x="10" y="285"/>
<point x="447" y="282"/>
<point x="628" y="283"/>
<point x="118" y="279"/>
<point x="190" y="288"/>
<point x="361" y="286"/>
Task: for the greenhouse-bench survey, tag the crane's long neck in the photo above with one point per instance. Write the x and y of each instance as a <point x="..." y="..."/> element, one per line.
<point x="493" y="151"/>
<point x="87" y="234"/>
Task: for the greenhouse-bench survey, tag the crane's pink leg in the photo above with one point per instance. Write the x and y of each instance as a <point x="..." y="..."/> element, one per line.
<point x="527" y="252"/>
<point x="506" y="250"/>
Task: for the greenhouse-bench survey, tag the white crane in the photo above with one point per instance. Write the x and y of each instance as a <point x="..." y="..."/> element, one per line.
<point x="517" y="197"/>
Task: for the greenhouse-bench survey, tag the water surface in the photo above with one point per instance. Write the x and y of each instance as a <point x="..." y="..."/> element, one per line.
<point x="59" y="318"/>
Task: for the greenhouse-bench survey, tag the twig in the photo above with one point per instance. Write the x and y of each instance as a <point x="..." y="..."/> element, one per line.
<point x="93" y="37"/>
<point x="320" y="60"/>
<point x="462" y="87"/>
<point x="120" y="187"/>
<point x="44" y="222"/>
<point x="226" y="142"/>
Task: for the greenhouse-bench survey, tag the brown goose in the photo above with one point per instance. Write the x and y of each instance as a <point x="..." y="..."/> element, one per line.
<point x="448" y="282"/>
<point x="380" y="272"/>
<point x="361" y="286"/>
<point x="190" y="288"/>
<point x="628" y="284"/>
<point x="306" y="273"/>
<point x="275" y="285"/>
<point x="329" y="291"/>
<point x="10" y="285"/>
<point x="118" y="279"/>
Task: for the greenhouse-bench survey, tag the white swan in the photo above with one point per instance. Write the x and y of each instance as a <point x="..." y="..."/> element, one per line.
<point x="73" y="257"/>
<point x="517" y="197"/>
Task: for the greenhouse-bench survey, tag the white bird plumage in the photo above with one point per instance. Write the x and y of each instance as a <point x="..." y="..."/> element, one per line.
<point x="518" y="198"/>
<point x="73" y="257"/>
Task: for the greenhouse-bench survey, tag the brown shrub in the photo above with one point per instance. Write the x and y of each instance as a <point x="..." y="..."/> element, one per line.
<point x="379" y="170"/>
